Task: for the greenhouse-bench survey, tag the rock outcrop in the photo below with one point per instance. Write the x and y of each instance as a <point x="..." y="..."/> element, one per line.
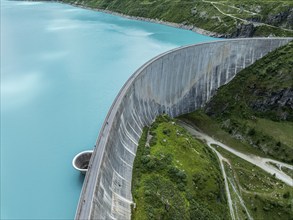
<point x="244" y="30"/>
<point x="282" y="19"/>
<point x="280" y="102"/>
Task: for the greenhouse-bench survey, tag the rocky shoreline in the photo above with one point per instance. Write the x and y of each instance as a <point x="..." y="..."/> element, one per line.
<point x="157" y="21"/>
<point x="242" y="30"/>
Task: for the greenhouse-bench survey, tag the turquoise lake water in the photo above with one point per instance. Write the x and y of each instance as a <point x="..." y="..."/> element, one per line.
<point x="61" y="68"/>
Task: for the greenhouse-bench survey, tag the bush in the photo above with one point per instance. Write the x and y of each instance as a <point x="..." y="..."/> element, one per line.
<point x="251" y="132"/>
<point x="199" y="212"/>
<point x="177" y="176"/>
<point x="145" y="159"/>
<point x="153" y="141"/>
<point x="167" y="132"/>
<point x="286" y="195"/>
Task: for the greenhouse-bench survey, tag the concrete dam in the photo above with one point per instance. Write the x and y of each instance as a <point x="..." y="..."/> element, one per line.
<point x="176" y="82"/>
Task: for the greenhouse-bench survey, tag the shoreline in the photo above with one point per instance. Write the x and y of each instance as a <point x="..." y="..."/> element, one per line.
<point x="156" y="21"/>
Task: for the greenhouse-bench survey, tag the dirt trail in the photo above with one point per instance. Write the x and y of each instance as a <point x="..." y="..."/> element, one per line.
<point x="230" y="202"/>
<point x="262" y="163"/>
<point x="241" y="19"/>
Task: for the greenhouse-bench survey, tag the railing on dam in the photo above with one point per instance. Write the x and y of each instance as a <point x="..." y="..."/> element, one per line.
<point x="176" y="82"/>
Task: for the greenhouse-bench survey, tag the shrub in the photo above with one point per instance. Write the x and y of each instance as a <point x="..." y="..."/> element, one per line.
<point x="251" y="132"/>
<point x="167" y="132"/>
<point x="153" y="141"/>
<point x="286" y="195"/>
<point x="177" y="176"/>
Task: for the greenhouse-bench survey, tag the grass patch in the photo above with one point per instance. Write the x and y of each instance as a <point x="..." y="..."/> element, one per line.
<point x="240" y="210"/>
<point x="265" y="196"/>
<point x="176" y="176"/>
<point x="282" y="131"/>
<point x="213" y="128"/>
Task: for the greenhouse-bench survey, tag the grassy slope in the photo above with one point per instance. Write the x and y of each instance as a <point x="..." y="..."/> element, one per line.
<point x="241" y="116"/>
<point x="205" y="14"/>
<point x="264" y="196"/>
<point x="247" y="114"/>
<point x="255" y="84"/>
<point x="176" y="177"/>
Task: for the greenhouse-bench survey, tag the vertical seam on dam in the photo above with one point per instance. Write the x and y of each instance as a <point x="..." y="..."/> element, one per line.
<point x="175" y="82"/>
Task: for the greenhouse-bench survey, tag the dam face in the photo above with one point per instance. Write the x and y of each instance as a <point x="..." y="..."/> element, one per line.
<point x="176" y="82"/>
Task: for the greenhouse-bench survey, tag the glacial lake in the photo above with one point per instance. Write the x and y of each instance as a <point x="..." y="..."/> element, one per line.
<point x="61" y="68"/>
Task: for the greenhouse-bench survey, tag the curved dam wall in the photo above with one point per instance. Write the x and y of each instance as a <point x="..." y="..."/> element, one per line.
<point x="176" y="82"/>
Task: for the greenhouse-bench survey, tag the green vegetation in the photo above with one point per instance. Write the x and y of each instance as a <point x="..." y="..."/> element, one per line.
<point x="261" y="90"/>
<point x="226" y="18"/>
<point x="254" y="112"/>
<point x="213" y="128"/>
<point x="281" y="130"/>
<point x="264" y="196"/>
<point x="176" y="176"/>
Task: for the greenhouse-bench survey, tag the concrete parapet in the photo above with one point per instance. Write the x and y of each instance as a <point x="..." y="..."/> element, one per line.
<point x="176" y="82"/>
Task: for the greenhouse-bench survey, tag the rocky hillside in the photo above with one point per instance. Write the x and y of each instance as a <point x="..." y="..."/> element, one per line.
<point x="230" y="18"/>
<point x="256" y="107"/>
<point x="264" y="89"/>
